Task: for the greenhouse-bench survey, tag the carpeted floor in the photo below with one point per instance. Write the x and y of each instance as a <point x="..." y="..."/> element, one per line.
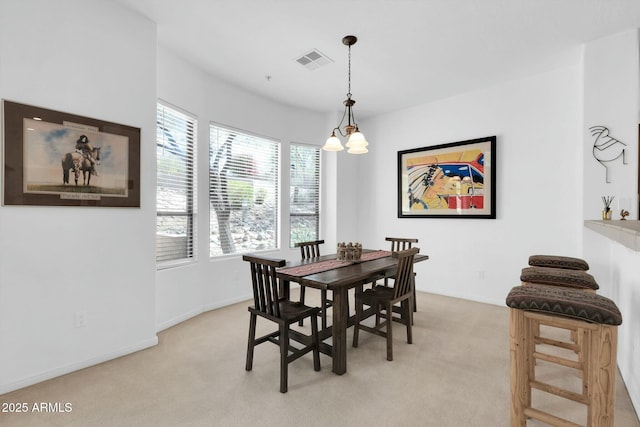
<point x="455" y="374"/>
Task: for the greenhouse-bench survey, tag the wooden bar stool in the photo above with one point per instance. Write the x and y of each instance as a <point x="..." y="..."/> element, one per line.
<point x="556" y="261"/>
<point x="578" y="279"/>
<point x="594" y="320"/>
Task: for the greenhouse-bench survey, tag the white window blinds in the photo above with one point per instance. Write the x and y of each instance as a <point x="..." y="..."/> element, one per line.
<point x="243" y="192"/>
<point x="176" y="186"/>
<point x="304" y="193"/>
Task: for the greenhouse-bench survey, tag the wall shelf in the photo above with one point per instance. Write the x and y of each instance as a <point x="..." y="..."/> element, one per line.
<point x="627" y="232"/>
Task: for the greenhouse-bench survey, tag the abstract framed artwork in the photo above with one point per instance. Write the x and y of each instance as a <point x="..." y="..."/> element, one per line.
<point x="59" y="159"/>
<point x="454" y="180"/>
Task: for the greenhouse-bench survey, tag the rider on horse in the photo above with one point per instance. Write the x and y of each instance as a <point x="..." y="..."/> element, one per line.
<point x="84" y="147"/>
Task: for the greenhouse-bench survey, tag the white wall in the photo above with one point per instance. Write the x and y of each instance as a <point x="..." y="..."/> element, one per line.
<point x="612" y="98"/>
<point x="611" y="81"/>
<point x="537" y="124"/>
<point x="95" y="59"/>
<point x="188" y="290"/>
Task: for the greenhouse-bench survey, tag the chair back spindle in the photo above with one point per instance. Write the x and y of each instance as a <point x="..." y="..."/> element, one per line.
<point x="265" y="284"/>
<point x="404" y="275"/>
<point x="400" y="243"/>
<point x="309" y="249"/>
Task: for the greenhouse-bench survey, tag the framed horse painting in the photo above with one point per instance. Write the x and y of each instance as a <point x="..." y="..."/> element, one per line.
<point x="454" y="180"/>
<point x="59" y="159"/>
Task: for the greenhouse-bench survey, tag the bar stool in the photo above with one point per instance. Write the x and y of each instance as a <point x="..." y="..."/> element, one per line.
<point x="556" y="261"/>
<point x="591" y="317"/>
<point x="577" y="279"/>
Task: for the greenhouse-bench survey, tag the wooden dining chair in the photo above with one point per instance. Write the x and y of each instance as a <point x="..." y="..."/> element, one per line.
<point x="401" y="244"/>
<point x="283" y="312"/>
<point x="382" y="297"/>
<point x="311" y="250"/>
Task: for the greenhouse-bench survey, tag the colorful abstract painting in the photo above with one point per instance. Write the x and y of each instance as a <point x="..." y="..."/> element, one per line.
<point x="448" y="180"/>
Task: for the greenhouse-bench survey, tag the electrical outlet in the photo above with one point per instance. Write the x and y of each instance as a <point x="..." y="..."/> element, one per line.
<point x="481" y="274"/>
<point x="81" y="319"/>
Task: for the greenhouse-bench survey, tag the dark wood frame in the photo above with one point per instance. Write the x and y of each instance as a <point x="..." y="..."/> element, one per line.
<point x="486" y="145"/>
<point x="13" y="144"/>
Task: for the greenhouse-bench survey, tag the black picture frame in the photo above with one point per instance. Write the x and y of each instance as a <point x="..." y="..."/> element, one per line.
<point x="39" y="143"/>
<point x="453" y="180"/>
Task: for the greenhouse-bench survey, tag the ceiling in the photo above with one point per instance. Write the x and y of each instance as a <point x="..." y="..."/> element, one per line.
<point x="408" y="52"/>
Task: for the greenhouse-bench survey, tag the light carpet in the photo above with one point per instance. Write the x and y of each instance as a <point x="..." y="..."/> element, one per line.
<point x="456" y="373"/>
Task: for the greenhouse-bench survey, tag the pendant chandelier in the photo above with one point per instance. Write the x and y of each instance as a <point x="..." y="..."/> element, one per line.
<point x="356" y="142"/>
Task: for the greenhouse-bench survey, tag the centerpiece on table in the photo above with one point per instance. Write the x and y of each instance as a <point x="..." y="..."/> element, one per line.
<point x="349" y="251"/>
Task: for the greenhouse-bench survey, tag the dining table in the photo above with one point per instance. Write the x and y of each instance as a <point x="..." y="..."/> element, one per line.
<point x="338" y="277"/>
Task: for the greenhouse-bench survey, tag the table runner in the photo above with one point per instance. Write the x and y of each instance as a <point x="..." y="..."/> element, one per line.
<point x="369" y="256"/>
<point x="330" y="264"/>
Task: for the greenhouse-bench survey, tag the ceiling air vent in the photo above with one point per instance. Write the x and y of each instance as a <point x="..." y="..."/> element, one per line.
<point x="313" y="59"/>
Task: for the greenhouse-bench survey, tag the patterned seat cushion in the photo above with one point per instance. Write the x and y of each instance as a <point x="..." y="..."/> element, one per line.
<point x="559" y="277"/>
<point x="565" y="302"/>
<point x="556" y="261"/>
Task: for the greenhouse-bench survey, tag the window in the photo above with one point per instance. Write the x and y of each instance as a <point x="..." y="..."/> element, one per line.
<point x="243" y="192"/>
<point x="175" y="186"/>
<point x="304" y="193"/>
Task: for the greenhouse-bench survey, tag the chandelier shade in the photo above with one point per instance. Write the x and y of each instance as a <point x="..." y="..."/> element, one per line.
<point x="356" y="142"/>
<point x="333" y="143"/>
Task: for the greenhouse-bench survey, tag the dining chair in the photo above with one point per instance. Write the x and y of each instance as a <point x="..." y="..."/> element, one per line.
<point x="382" y="297"/>
<point x="401" y="244"/>
<point x="269" y="305"/>
<point x="311" y="249"/>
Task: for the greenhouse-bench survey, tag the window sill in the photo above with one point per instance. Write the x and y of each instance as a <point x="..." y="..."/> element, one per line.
<point x="627" y="232"/>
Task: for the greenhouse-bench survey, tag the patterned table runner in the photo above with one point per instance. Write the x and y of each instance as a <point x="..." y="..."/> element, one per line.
<point x="369" y="256"/>
<point x="330" y="264"/>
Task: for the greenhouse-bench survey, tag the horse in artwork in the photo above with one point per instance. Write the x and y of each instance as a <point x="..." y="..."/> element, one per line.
<point x="78" y="162"/>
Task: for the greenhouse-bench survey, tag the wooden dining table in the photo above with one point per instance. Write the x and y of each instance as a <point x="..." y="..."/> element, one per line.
<point x="326" y="272"/>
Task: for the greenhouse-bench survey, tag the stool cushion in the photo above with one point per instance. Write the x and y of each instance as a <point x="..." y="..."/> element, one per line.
<point x="559" y="277"/>
<point x="565" y="302"/>
<point x="556" y="261"/>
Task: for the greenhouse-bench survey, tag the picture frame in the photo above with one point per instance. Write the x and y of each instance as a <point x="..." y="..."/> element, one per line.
<point x="452" y="180"/>
<point x="52" y="158"/>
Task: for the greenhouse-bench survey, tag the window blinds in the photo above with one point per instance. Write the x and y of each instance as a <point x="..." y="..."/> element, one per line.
<point x="243" y="192"/>
<point x="175" y="187"/>
<point x="304" y="193"/>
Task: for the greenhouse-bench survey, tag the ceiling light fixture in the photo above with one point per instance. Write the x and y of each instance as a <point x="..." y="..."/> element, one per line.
<point x="356" y="143"/>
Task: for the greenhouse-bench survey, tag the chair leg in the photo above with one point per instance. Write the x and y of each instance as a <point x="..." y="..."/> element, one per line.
<point x="409" y="306"/>
<point x="316" y="342"/>
<point x="389" y="332"/>
<point x="252" y="339"/>
<point x="302" y="292"/>
<point x="284" y="355"/>
<point x="413" y="286"/>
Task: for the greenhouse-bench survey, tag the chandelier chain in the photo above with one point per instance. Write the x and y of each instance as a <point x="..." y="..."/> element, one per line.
<point x="349" y="75"/>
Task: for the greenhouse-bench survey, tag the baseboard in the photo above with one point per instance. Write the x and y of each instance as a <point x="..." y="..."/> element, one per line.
<point x="193" y="313"/>
<point x="178" y="319"/>
<point x="231" y="301"/>
<point x="47" y="375"/>
<point x="631" y="383"/>
<point x="466" y="297"/>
